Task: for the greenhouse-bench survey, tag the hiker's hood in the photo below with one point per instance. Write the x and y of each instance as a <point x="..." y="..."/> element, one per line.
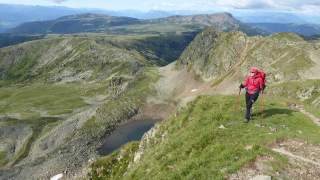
<point x="254" y="70"/>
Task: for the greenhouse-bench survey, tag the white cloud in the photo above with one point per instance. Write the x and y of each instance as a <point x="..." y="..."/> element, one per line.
<point x="57" y="1"/>
<point x="310" y="9"/>
<point x="279" y="5"/>
<point x="297" y="6"/>
<point x="300" y="6"/>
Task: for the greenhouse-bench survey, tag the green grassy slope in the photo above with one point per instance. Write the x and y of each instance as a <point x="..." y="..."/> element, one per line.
<point x="192" y="145"/>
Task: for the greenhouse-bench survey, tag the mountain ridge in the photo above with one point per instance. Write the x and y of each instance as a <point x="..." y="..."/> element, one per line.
<point x="302" y="29"/>
<point x="257" y="52"/>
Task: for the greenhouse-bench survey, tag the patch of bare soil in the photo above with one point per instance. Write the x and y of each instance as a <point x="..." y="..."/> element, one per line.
<point x="308" y="114"/>
<point x="303" y="163"/>
<point x="179" y="86"/>
<point x="260" y="167"/>
<point x="157" y="111"/>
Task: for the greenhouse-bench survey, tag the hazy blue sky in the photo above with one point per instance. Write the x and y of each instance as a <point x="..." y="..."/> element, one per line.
<point x="301" y="6"/>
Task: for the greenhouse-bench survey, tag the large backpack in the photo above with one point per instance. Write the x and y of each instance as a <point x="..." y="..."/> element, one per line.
<point x="263" y="75"/>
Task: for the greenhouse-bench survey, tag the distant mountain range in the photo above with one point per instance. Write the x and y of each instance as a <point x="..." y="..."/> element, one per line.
<point x="13" y="15"/>
<point x="125" y="25"/>
<point x="73" y="24"/>
<point x="272" y="17"/>
<point x="100" y="23"/>
<point x="115" y="24"/>
<point x="302" y="29"/>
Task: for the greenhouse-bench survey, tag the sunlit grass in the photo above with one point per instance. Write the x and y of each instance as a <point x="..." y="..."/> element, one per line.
<point x="196" y="148"/>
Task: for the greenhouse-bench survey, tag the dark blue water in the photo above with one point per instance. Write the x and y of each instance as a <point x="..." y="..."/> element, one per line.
<point x="130" y="131"/>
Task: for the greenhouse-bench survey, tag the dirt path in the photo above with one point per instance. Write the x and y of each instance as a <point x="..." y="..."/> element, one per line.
<point x="311" y="116"/>
<point x="303" y="159"/>
<point x="306" y="113"/>
<point x="299" y="158"/>
<point x="303" y="163"/>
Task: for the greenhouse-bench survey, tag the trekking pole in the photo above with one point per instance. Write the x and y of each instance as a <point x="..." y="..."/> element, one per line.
<point x="261" y="104"/>
<point x="238" y="99"/>
<point x="236" y="104"/>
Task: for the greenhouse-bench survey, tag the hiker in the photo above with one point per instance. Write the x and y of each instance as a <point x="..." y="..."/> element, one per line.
<point x="254" y="84"/>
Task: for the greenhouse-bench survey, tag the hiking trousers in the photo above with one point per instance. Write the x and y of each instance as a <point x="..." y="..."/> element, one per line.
<point x="250" y="99"/>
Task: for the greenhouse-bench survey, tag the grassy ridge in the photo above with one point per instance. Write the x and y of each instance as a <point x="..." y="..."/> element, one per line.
<point x="214" y="55"/>
<point x="195" y="147"/>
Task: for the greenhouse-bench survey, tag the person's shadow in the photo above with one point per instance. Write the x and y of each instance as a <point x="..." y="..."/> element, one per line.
<point x="273" y="111"/>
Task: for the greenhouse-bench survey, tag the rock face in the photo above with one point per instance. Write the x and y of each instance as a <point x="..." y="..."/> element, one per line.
<point x="147" y="140"/>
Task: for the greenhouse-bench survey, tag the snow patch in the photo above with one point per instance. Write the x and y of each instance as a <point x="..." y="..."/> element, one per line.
<point x="56" y="177"/>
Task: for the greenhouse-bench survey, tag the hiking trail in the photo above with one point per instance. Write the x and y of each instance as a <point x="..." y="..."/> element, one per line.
<point x="301" y="109"/>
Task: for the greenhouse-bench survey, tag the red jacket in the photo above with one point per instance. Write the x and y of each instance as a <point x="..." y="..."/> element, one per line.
<point x="253" y="84"/>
